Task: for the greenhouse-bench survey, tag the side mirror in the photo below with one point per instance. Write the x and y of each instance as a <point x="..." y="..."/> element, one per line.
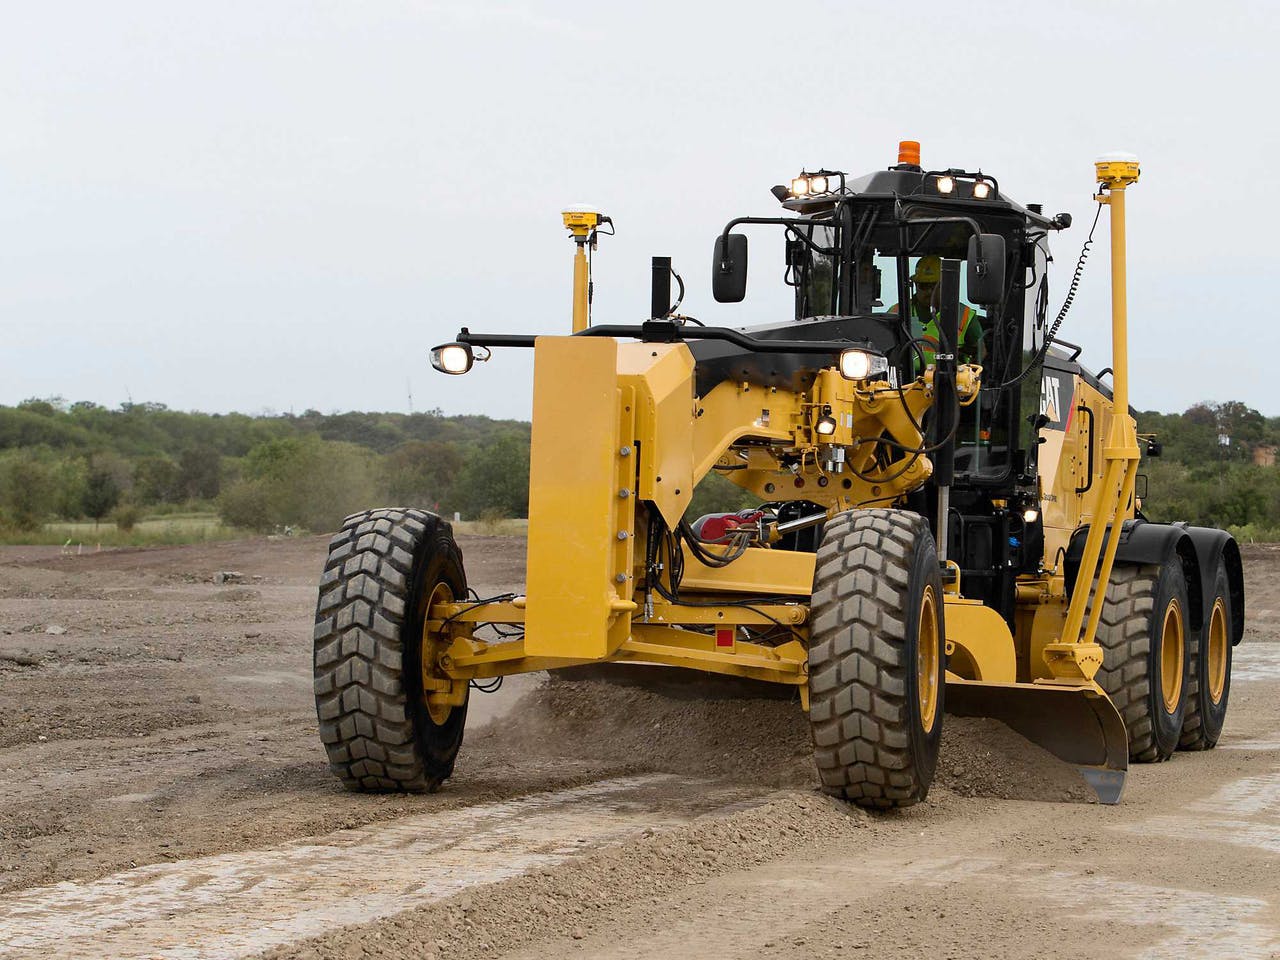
<point x="986" y="269"/>
<point x="729" y="269"/>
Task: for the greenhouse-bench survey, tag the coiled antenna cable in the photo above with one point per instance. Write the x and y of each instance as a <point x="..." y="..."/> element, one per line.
<point x="1072" y="289"/>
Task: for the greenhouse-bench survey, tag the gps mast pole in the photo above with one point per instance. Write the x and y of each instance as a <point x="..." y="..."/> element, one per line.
<point x="1077" y="655"/>
<point x="581" y="222"/>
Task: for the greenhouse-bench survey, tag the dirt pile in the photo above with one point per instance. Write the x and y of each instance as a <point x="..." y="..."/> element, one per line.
<point x="763" y="741"/>
<point x="984" y="758"/>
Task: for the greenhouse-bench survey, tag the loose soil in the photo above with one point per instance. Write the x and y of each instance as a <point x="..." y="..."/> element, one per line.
<point x="158" y="741"/>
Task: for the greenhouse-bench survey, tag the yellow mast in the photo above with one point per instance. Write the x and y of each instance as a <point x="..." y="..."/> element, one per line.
<point x="581" y="223"/>
<point x="1077" y="656"/>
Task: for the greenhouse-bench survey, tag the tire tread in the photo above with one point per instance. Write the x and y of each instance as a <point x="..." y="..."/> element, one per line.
<point x="858" y="683"/>
<point x="365" y="723"/>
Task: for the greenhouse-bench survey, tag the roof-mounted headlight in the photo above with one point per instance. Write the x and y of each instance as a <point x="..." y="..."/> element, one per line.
<point x="859" y="364"/>
<point x="452" y="358"/>
<point x="817" y="184"/>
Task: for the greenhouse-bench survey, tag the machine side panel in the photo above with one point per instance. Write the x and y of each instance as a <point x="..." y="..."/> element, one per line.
<point x="662" y="376"/>
<point x="1070" y="459"/>
<point x="580" y="530"/>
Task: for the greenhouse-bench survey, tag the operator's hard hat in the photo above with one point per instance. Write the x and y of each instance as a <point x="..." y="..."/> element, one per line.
<point x="928" y="270"/>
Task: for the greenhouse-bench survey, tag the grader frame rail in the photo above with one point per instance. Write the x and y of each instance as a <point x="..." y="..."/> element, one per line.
<point x="1095" y="633"/>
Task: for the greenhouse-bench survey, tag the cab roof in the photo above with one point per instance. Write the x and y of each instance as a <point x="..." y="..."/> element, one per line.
<point x="907" y="181"/>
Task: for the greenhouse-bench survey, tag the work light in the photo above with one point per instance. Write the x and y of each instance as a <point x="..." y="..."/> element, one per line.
<point x="981" y="190"/>
<point x="799" y="186"/>
<point x="857" y="364"/>
<point x="826" y="424"/>
<point x="452" y="358"/>
<point x="817" y="184"/>
<point x="945" y="184"/>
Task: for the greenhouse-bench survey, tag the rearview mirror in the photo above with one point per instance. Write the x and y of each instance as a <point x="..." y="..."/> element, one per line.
<point x="729" y="269"/>
<point x="986" y="269"/>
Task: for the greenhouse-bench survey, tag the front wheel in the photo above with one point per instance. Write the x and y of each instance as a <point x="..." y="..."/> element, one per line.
<point x="876" y="658"/>
<point x="373" y="636"/>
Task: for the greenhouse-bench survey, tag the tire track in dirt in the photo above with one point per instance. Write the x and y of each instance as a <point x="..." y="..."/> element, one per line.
<point x="806" y="898"/>
<point x="238" y="904"/>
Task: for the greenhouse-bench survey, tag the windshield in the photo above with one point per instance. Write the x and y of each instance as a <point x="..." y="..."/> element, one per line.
<point x="887" y="263"/>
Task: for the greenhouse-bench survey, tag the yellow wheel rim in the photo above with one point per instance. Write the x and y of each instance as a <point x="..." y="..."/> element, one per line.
<point x="927" y="659"/>
<point x="1218" y="650"/>
<point x="1172" y="649"/>
<point x="433" y="641"/>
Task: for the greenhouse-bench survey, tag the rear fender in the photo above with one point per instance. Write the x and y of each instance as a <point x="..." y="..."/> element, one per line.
<point x="1212" y="546"/>
<point x="1142" y="542"/>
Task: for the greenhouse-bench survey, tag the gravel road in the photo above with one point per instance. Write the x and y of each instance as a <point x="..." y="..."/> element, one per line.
<point x="163" y="793"/>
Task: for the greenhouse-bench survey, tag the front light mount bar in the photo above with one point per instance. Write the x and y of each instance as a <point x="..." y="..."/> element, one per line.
<point x="662" y="331"/>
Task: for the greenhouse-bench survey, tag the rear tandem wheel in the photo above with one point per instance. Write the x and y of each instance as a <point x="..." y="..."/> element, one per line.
<point x="385" y="568"/>
<point x="1209" y="668"/>
<point x="1143" y="633"/>
<point x="876" y="658"/>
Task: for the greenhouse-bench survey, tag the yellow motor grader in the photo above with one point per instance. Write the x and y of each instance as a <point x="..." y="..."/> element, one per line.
<point x="947" y="515"/>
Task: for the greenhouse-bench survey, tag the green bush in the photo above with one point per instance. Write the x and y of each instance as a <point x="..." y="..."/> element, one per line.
<point x="126" y="516"/>
<point x="247" y="504"/>
<point x="101" y="493"/>
<point x="496" y="477"/>
<point x="26" y="493"/>
<point x="307" y="482"/>
<point x="421" y="473"/>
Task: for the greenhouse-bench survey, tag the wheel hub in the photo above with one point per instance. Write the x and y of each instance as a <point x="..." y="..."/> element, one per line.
<point x="1217" y="650"/>
<point x="1172" y="649"/>
<point x="927" y="659"/>
<point x="436" y="687"/>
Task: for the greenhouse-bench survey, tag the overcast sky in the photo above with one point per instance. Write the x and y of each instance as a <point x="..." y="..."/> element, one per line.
<point x="281" y="205"/>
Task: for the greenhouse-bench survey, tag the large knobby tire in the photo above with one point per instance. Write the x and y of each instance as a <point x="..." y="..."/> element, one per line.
<point x="1209" y="672"/>
<point x="384" y="569"/>
<point x="876" y="664"/>
<point x="1143" y="633"/>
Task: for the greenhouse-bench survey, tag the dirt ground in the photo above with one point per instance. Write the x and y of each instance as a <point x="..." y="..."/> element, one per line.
<point x="163" y="793"/>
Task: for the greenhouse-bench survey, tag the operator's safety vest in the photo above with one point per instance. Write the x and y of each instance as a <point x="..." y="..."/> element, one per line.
<point x="928" y="332"/>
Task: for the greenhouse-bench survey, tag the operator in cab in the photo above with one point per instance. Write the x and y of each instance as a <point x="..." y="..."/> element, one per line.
<point x="925" y="315"/>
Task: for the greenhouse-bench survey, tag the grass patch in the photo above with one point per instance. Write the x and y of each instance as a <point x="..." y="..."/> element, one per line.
<point x="170" y="530"/>
<point x="492" y="528"/>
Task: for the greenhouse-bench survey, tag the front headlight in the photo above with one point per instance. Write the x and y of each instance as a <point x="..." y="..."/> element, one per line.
<point x="826" y="424"/>
<point x="452" y="358"/>
<point x="857" y="364"/>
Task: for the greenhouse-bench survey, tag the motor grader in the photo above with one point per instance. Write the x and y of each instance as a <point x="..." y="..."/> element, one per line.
<point x="947" y="515"/>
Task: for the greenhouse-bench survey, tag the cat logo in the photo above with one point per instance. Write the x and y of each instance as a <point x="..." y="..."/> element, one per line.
<point x="1049" y="400"/>
<point x="1055" y="400"/>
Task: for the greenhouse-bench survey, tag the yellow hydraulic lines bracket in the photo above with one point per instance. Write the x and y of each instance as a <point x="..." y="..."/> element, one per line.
<point x="581" y="222"/>
<point x="1076" y="656"/>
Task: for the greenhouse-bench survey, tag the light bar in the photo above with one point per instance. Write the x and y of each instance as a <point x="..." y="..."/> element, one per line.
<point x="816" y="184"/>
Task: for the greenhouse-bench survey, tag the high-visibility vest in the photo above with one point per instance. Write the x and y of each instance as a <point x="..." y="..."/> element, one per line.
<point x="970" y="333"/>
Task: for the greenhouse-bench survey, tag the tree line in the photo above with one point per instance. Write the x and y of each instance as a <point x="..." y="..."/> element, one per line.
<point x="75" y="461"/>
<point x="70" y="461"/>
